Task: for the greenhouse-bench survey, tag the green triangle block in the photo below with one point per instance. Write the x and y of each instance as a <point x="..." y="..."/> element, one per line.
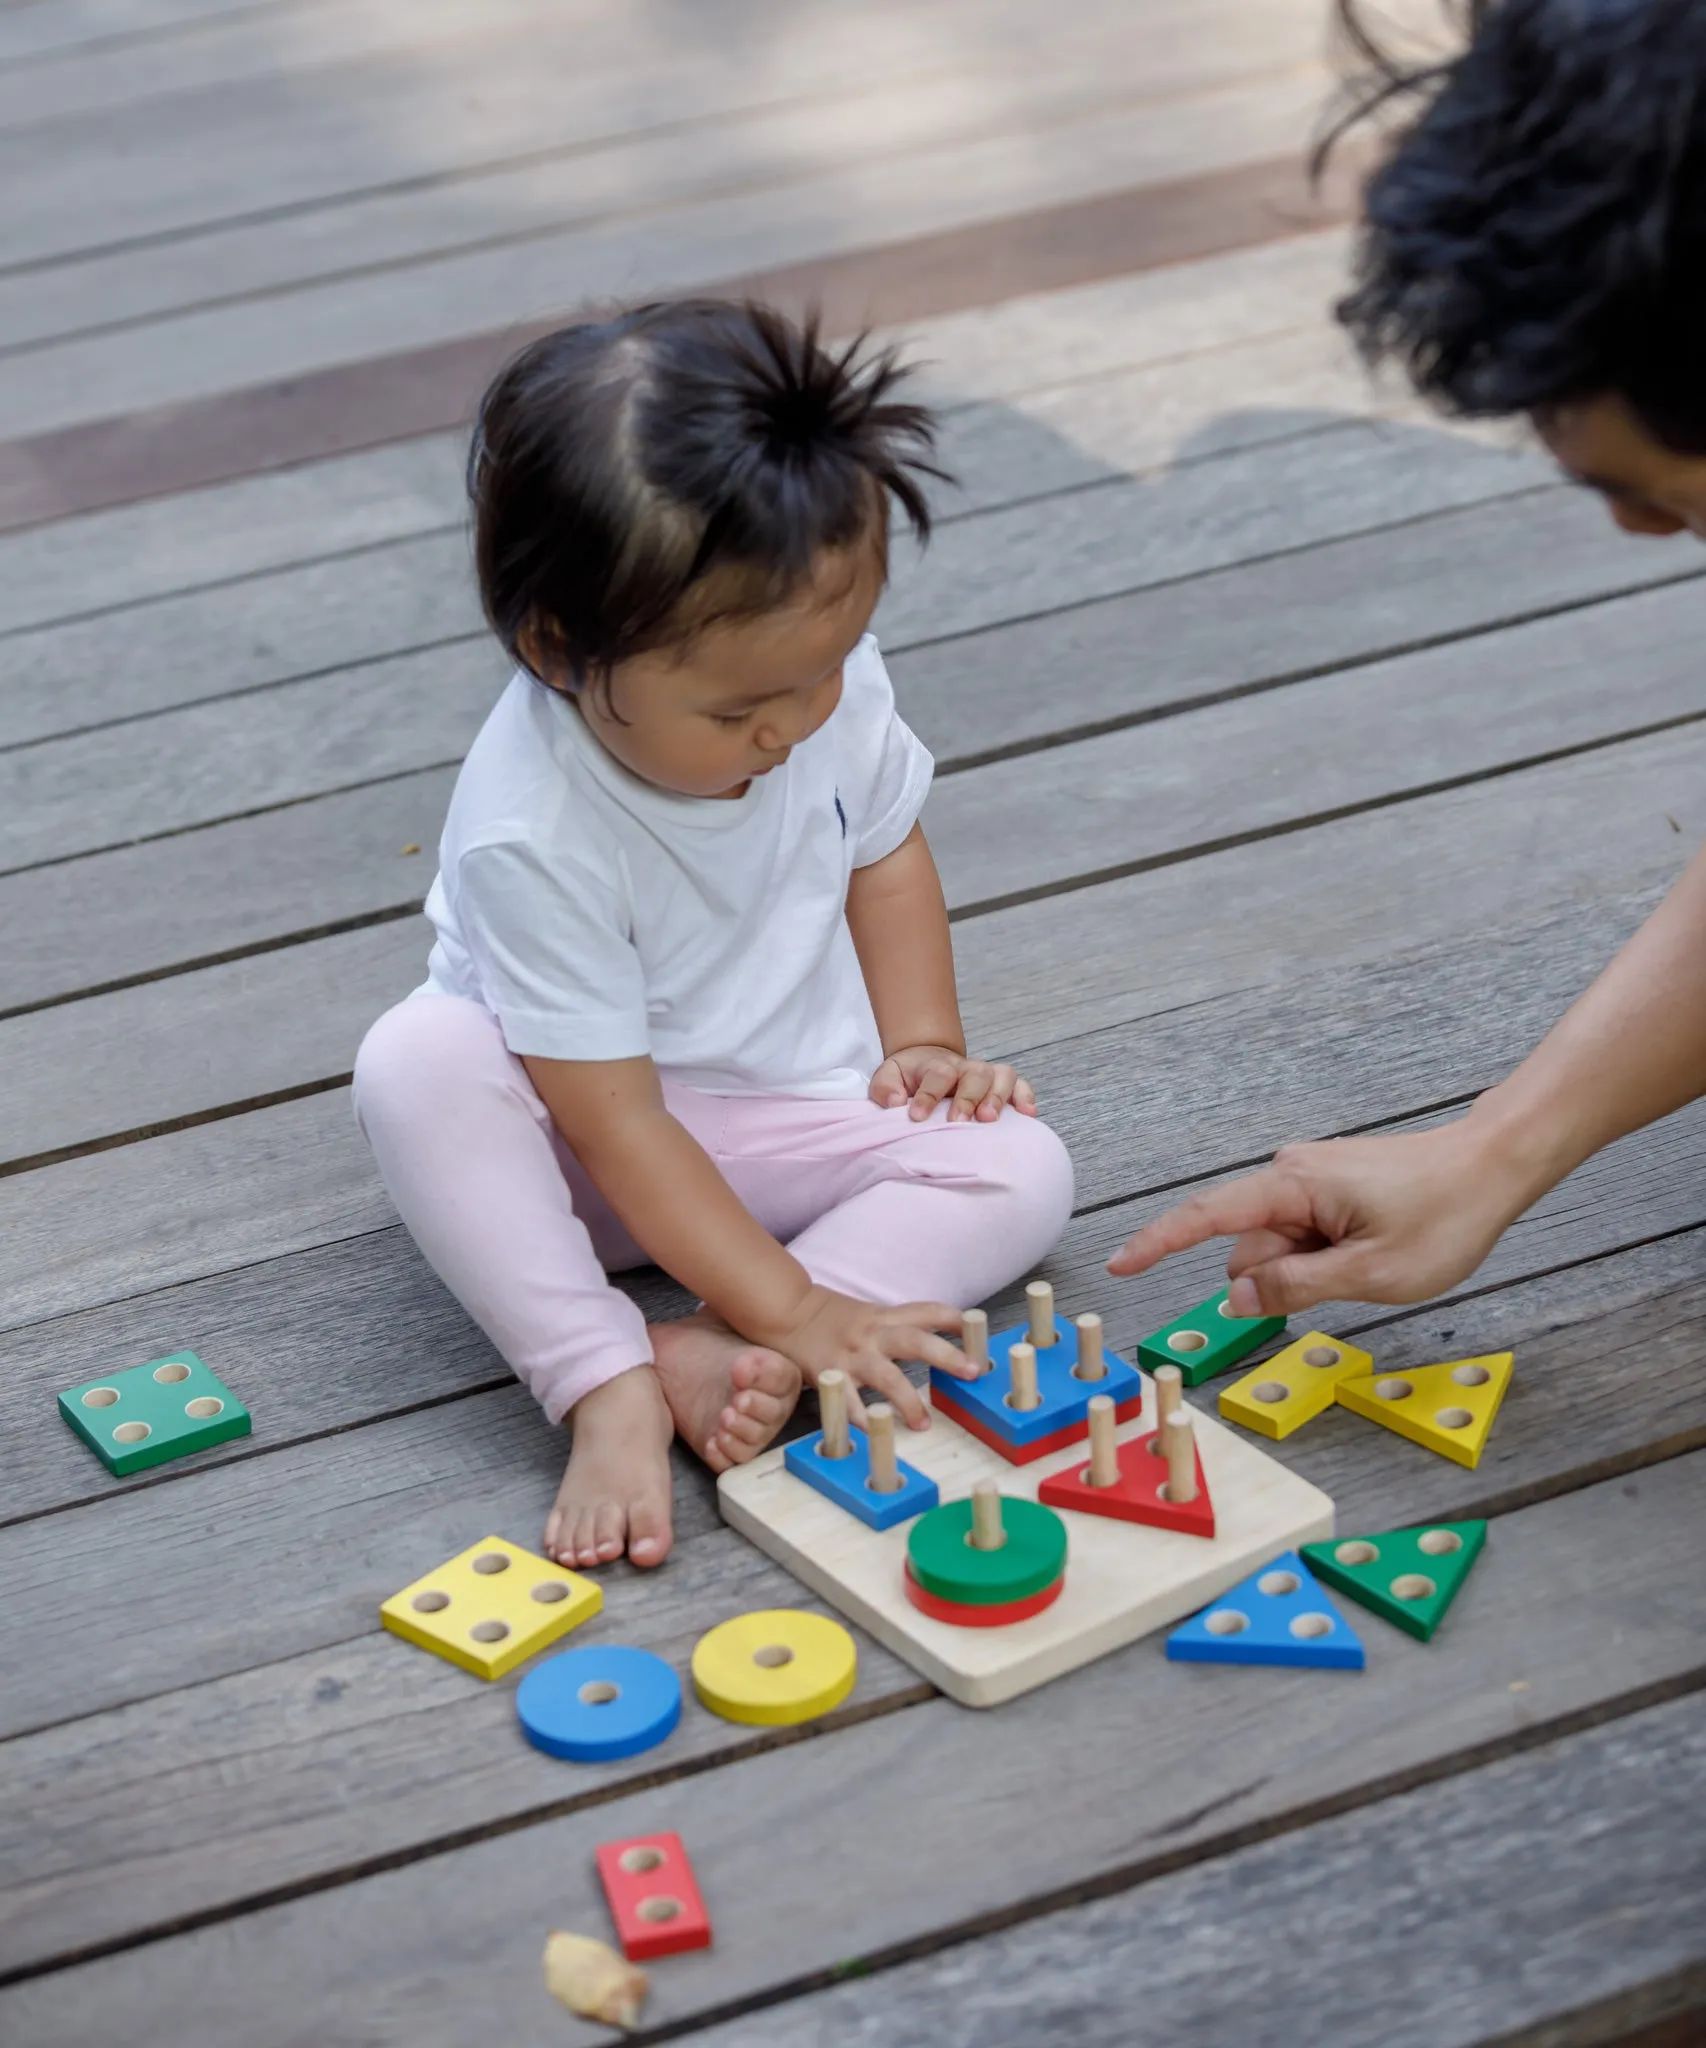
<point x="1408" y="1576"/>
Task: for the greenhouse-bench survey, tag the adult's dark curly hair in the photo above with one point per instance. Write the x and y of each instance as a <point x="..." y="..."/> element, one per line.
<point x="1537" y="235"/>
<point x="638" y="478"/>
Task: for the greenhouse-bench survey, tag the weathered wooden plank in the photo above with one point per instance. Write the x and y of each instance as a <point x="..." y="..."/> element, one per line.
<point x="32" y="33"/>
<point x="225" y="757"/>
<point x="1508" y="1873"/>
<point x="74" y="568"/>
<point x="296" y="1799"/>
<point x="936" y="1853"/>
<point x="488" y="155"/>
<point x="131" y="1060"/>
<point x="872" y="198"/>
<point x="1253" y="920"/>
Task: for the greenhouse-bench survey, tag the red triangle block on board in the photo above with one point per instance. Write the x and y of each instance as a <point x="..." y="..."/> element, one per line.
<point x="1139" y="1495"/>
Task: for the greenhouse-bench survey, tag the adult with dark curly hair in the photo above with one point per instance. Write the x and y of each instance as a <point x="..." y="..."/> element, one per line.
<point x="1535" y="243"/>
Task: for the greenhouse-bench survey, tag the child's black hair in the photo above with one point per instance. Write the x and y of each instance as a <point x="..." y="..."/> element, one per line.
<point x="1537" y="236"/>
<point x="638" y="478"/>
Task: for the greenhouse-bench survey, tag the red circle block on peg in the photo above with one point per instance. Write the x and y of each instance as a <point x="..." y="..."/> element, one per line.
<point x="964" y="1616"/>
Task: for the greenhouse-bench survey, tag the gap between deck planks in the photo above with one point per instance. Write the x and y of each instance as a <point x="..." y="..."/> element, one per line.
<point x="396" y="1952"/>
<point x="248" y="1187"/>
<point x="1499" y="1874"/>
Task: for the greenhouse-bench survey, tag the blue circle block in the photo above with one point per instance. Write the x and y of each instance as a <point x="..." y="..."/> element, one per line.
<point x="595" y="1704"/>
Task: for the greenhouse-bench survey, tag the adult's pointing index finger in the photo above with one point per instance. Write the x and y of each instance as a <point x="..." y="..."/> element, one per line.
<point x="1259" y="1201"/>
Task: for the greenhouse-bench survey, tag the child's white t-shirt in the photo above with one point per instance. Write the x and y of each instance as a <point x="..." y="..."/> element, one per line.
<point x="598" y="917"/>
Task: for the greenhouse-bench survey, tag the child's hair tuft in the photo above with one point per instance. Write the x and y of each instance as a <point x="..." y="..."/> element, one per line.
<point x="639" y="478"/>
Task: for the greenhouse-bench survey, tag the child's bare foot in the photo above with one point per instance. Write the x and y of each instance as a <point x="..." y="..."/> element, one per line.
<point x="615" y="1494"/>
<point x="728" y="1397"/>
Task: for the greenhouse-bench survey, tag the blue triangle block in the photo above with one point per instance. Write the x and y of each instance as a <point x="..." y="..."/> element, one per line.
<point x="1279" y="1615"/>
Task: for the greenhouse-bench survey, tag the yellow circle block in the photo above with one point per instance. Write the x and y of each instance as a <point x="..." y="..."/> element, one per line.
<point x="773" y="1668"/>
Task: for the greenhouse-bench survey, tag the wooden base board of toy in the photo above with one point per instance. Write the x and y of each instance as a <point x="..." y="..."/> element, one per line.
<point x="1122" y="1580"/>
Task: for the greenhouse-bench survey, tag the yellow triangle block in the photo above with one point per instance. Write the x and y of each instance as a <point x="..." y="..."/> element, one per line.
<point x="1446" y="1408"/>
<point x="1293" y="1386"/>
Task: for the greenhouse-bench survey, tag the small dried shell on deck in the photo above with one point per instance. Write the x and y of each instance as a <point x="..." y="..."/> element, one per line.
<point x="590" y="1978"/>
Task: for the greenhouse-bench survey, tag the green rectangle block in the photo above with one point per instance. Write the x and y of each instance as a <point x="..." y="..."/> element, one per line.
<point x="1206" y="1341"/>
<point x="164" y="1409"/>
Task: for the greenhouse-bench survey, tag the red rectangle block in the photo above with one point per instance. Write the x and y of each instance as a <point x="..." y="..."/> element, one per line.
<point x="653" y="1897"/>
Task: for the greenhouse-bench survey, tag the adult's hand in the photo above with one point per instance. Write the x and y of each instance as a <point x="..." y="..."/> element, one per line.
<point x="1353" y="1219"/>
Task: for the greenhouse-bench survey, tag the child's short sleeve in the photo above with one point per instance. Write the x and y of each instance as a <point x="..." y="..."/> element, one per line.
<point x="891" y="765"/>
<point x="551" y="951"/>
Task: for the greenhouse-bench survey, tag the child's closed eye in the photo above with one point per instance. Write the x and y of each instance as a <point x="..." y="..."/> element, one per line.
<point x="729" y="718"/>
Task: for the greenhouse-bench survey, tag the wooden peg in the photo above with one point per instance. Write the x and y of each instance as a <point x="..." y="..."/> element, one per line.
<point x="986" y="1530"/>
<point x="1104" y="1449"/>
<point x="1169" y="1392"/>
<point x="974" y="1338"/>
<point x="1022" y="1364"/>
<point x="879" y="1436"/>
<point x="832" y="1405"/>
<point x="1179" y="1444"/>
<point x="1090" y="1364"/>
<point x="1039" y="1300"/>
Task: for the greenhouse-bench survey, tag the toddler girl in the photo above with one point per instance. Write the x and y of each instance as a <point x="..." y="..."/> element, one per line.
<point x="692" y="999"/>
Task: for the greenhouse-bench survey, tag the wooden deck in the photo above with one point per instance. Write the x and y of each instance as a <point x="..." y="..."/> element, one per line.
<point x="1300" y="755"/>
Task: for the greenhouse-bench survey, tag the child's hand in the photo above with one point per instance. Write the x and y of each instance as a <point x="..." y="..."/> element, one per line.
<point x="863" y="1340"/>
<point x="1354" y="1219"/>
<point x="925" y="1074"/>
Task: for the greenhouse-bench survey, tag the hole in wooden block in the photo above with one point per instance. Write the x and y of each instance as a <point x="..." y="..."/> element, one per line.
<point x="1440" y="1543"/>
<point x="1394" y="1390"/>
<point x="489" y="1631"/>
<point x="1007" y="1401"/>
<point x="1471" y="1375"/>
<point x="1270" y="1391"/>
<point x="100" y="1397"/>
<point x="430" y="1603"/>
<point x="599" y="1692"/>
<point x="634" y="1861"/>
<point x="773" y="1656"/>
<point x="1308" y="1626"/>
<point x="131" y="1432"/>
<point x="1187" y="1340"/>
<point x="660" y="1909"/>
<point x="1356" y="1553"/>
<point x="1276" y="1583"/>
<point x="1227" y="1621"/>
<point x="1454" y="1418"/>
<point x="1231" y="1314"/>
<point x="490" y="1561"/>
<point x="169" y="1375"/>
<point x="1322" y="1354"/>
<point x="204" y="1406"/>
<point x="1413" y="1586"/>
<point x="550" y="1591"/>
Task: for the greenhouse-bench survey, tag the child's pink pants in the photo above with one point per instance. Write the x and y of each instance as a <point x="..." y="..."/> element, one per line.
<point x="870" y="1203"/>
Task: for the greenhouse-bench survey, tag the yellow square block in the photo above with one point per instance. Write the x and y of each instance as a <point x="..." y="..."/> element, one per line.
<point x="1446" y="1408"/>
<point x="1294" y="1386"/>
<point x="492" y="1608"/>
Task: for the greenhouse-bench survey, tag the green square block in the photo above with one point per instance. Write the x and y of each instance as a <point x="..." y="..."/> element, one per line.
<point x="142" y="1417"/>
<point x="1408" y="1577"/>
<point x="1206" y="1341"/>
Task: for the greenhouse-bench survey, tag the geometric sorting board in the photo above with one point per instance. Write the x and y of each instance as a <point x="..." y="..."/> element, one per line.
<point x="164" y="1409"/>
<point x="1206" y="1340"/>
<point x="1279" y="1615"/>
<point x="1294" y="1386"/>
<point x="491" y="1607"/>
<point x="1121" y="1581"/>
<point x="1407" y="1576"/>
<point x="1446" y="1408"/>
<point x="1063" y="1399"/>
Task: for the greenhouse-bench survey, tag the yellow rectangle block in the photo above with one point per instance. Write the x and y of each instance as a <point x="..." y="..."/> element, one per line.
<point x="492" y="1607"/>
<point x="1294" y="1386"/>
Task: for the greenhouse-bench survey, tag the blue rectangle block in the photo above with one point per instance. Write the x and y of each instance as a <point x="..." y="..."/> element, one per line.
<point x="846" y="1481"/>
<point x="1065" y="1398"/>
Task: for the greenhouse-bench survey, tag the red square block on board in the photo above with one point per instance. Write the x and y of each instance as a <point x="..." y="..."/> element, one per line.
<point x="653" y="1897"/>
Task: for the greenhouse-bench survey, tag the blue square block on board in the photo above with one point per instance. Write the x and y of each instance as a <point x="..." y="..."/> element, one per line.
<point x="846" y="1481"/>
<point x="1065" y="1399"/>
<point x="1279" y="1615"/>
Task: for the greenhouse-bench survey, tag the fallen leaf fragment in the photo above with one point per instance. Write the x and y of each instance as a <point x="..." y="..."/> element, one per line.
<point x="590" y="1978"/>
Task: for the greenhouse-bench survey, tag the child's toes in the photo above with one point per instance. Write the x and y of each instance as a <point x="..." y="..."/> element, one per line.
<point x="767" y="1373"/>
<point x="736" y="1426"/>
<point x="648" y="1531"/>
<point x="607" y="1533"/>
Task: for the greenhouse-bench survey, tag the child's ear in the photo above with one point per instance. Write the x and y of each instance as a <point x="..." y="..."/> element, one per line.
<point x="541" y="649"/>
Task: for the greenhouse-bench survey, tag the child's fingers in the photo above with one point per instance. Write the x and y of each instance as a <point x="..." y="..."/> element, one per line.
<point x="976" y="1085"/>
<point x="882" y="1376"/>
<point x="888" y="1085"/>
<point x="1024" y="1096"/>
<point x="936" y="1078"/>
